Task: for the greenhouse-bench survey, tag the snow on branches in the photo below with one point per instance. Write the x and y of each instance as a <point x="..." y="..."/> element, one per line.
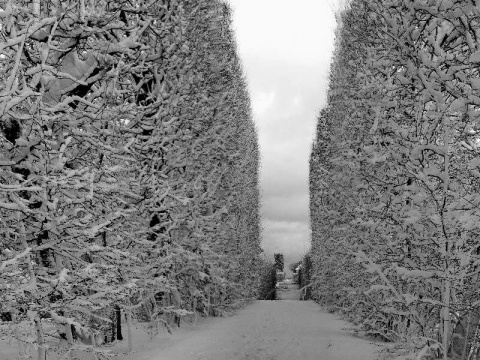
<point x="128" y="160"/>
<point x="394" y="188"/>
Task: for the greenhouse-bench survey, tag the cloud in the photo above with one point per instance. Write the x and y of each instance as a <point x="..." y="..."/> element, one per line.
<point x="286" y="208"/>
<point x="286" y="101"/>
<point x="285" y="49"/>
<point x="281" y="29"/>
<point x="262" y="101"/>
<point x="286" y="132"/>
<point x="292" y="239"/>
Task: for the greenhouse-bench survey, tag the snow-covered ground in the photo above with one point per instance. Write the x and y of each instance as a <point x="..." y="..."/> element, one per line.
<point x="288" y="291"/>
<point x="265" y="330"/>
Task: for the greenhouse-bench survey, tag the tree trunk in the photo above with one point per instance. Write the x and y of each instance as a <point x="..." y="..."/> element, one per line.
<point x="448" y="247"/>
<point x="118" y="322"/>
<point x="22" y="348"/>
<point x="129" y="330"/>
<point x="446" y="318"/>
<point x="474" y="349"/>
<point x="465" y="337"/>
<point x="69" y="334"/>
<point x="112" y="327"/>
<point x="194" y="310"/>
<point x="41" y="354"/>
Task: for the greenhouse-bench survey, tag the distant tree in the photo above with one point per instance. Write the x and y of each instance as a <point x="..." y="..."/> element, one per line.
<point x="279" y="261"/>
<point x="267" y="280"/>
<point x="294" y="265"/>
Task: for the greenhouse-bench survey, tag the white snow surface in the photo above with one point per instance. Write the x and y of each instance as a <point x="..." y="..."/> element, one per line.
<point x="264" y="330"/>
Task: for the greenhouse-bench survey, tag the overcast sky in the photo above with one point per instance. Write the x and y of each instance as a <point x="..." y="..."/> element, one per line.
<point x="286" y="48"/>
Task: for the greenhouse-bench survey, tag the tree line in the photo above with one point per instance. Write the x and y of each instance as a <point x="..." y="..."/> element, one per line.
<point x="394" y="176"/>
<point x="128" y="167"/>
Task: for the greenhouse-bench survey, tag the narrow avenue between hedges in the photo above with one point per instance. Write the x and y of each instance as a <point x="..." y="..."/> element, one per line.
<point x="288" y="329"/>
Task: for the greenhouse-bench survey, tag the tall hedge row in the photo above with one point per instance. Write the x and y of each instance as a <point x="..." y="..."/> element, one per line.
<point x="128" y="164"/>
<point x="394" y="188"/>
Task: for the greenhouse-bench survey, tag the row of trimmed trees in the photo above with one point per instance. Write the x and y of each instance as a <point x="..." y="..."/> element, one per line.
<point x="394" y="178"/>
<point x="128" y="165"/>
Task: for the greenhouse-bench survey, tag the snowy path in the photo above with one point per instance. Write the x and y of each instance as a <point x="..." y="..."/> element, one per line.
<point x="268" y="330"/>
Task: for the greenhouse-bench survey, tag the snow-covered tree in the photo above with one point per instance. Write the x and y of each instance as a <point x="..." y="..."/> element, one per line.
<point x="279" y="261"/>
<point x="402" y="118"/>
<point x="128" y="164"/>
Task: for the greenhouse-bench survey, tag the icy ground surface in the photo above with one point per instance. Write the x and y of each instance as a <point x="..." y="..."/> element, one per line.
<point x="266" y="330"/>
